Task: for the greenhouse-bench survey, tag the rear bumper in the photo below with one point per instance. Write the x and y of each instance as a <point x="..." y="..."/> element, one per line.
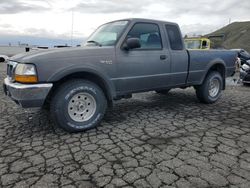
<point x="27" y="95"/>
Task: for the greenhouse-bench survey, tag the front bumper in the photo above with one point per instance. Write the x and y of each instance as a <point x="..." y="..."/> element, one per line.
<point x="27" y="95"/>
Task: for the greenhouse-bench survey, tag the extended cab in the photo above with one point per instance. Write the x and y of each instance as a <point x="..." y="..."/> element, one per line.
<point x="120" y="58"/>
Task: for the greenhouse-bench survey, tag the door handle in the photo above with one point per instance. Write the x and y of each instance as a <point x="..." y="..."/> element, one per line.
<point x="162" y="57"/>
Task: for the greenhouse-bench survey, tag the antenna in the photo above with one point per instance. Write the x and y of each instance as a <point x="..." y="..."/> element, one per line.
<point x="72" y="27"/>
<point x="50" y="5"/>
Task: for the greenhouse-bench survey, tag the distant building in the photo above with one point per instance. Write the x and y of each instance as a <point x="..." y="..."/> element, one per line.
<point x="62" y="46"/>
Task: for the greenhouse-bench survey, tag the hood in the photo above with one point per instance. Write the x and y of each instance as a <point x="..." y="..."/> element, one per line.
<point x="60" y="54"/>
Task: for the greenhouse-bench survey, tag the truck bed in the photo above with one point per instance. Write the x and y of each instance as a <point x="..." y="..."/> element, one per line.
<point x="201" y="60"/>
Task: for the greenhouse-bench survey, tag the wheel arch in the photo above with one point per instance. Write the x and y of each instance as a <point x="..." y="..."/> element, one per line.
<point x="218" y="66"/>
<point x="84" y="73"/>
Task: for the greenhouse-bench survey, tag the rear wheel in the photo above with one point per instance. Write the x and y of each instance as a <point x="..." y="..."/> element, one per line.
<point x="210" y="90"/>
<point x="78" y="105"/>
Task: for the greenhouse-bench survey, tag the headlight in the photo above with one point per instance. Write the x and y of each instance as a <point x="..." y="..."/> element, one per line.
<point x="26" y="73"/>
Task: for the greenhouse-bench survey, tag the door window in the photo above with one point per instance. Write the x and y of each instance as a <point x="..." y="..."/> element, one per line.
<point x="148" y="34"/>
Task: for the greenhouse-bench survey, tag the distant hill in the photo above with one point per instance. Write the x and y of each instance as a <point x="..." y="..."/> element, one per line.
<point x="236" y="35"/>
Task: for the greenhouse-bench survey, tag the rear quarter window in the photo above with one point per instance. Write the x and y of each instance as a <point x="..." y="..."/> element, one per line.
<point x="174" y="37"/>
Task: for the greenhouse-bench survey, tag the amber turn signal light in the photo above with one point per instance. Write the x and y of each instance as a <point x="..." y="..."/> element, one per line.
<point x="26" y="78"/>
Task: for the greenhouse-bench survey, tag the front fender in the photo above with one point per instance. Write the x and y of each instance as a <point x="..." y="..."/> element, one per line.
<point x="67" y="71"/>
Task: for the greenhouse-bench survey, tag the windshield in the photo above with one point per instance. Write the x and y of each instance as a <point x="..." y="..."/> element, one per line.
<point x="107" y="34"/>
<point x="193" y="44"/>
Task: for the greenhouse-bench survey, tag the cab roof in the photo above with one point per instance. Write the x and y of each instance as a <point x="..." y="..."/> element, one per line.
<point x="145" y="20"/>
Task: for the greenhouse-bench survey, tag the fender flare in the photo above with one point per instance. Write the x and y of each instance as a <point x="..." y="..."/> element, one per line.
<point x="67" y="71"/>
<point x="217" y="61"/>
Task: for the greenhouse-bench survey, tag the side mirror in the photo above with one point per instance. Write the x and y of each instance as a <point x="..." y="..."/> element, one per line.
<point x="2" y="59"/>
<point x="132" y="43"/>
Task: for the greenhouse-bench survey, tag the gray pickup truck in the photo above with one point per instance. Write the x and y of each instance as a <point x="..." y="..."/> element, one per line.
<point x="120" y="58"/>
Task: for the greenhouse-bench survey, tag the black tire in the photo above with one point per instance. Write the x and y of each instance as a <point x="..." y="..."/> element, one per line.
<point x="202" y="91"/>
<point x="163" y="92"/>
<point x="62" y="98"/>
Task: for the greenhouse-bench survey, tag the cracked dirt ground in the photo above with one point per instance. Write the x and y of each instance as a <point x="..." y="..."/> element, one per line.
<point x="150" y="140"/>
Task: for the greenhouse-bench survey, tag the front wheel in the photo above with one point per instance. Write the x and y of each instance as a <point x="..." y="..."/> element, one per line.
<point x="210" y="91"/>
<point x="78" y="105"/>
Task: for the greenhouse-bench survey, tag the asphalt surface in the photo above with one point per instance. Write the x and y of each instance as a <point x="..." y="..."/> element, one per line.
<point x="150" y="140"/>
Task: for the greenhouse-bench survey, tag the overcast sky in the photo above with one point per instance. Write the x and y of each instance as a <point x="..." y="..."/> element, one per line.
<point x="53" y="18"/>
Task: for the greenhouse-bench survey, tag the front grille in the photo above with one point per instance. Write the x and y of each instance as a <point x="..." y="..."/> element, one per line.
<point x="9" y="70"/>
<point x="11" y="65"/>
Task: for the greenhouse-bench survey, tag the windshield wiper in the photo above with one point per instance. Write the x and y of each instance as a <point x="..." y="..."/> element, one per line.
<point x="95" y="42"/>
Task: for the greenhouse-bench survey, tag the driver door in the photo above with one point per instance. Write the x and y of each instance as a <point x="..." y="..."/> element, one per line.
<point x="144" y="68"/>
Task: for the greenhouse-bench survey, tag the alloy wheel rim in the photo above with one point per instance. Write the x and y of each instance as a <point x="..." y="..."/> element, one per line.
<point x="214" y="87"/>
<point x="81" y="107"/>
